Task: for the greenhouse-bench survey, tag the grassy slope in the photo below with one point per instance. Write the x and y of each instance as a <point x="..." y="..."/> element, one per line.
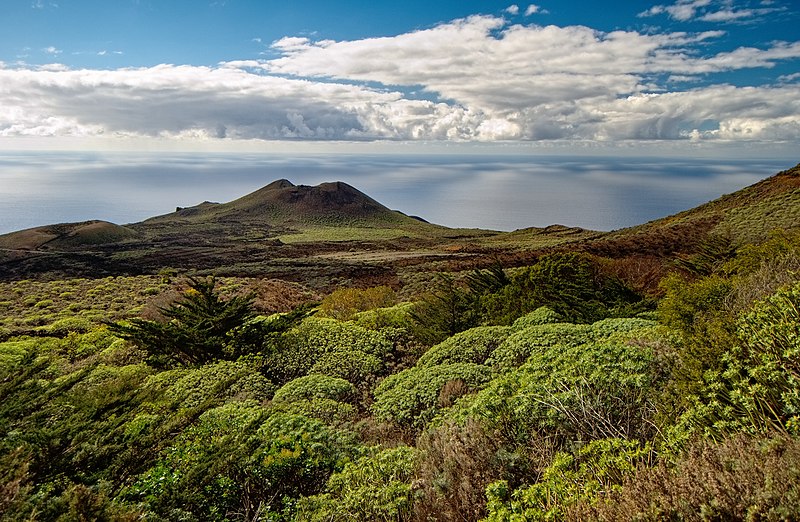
<point x="745" y="216"/>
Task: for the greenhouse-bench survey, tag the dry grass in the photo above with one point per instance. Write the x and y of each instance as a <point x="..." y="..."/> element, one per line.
<point x="741" y="478"/>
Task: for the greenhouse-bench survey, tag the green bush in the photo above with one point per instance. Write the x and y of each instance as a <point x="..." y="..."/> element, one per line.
<point x="588" y="476"/>
<point x="376" y="487"/>
<point x="758" y="389"/>
<point x="318" y="340"/>
<point x="240" y="458"/>
<point x="354" y="366"/>
<point x="622" y="329"/>
<point x="222" y="381"/>
<point x="542" y="315"/>
<point x="573" y="393"/>
<point x="397" y="316"/>
<point x="523" y="344"/>
<point x="471" y="346"/>
<point x="413" y="396"/>
<point x="315" y="387"/>
<point x="329" y="411"/>
<point x="62" y="327"/>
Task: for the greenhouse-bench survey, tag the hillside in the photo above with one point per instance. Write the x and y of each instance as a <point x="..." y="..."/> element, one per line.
<point x="66" y="236"/>
<point x="335" y="231"/>
<point x="744" y="216"/>
<point x="323" y="233"/>
<point x="281" y="203"/>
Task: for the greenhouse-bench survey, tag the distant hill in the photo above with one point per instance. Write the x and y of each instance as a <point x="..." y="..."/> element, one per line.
<point x="281" y="203"/>
<point x="66" y="236"/>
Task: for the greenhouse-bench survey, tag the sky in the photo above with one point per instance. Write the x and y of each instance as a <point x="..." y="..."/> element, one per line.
<point x="716" y="77"/>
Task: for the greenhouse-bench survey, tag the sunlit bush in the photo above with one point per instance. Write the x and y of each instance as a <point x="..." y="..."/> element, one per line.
<point x="522" y="344"/>
<point x="344" y="303"/>
<point x="315" y="387"/>
<point x="542" y="315"/>
<point x="471" y="346"/>
<point x="588" y="475"/>
<point x="412" y="397"/>
<point x="322" y="341"/>
<point x="567" y="393"/>
<point x="376" y="487"/>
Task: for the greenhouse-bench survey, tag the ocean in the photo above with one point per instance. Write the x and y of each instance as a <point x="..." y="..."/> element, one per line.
<point x="472" y="191"/>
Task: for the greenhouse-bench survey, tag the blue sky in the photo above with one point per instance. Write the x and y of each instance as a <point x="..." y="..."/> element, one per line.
<point x="680" y="76"/>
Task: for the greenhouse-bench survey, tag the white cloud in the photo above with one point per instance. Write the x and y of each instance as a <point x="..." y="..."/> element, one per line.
<point x="789" y="77"/>
<point x="710" y="11"/>
<point x="681" y="10"/>
<point x="493" y="81"/>
<point x="51" y="50"/>
<point x="534" y="9"/>
<point x="40" y="4"/>
<point x="513" y="9"/>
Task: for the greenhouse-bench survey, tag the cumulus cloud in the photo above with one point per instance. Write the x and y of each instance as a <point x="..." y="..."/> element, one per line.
<point x="512" y="9"/>
<point x="482" y="79"/>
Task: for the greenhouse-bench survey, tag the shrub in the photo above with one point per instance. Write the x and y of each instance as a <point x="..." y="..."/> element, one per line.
<point x="313" y="387"/>
<point x="523" y="344"/>
<point x="587" y="476"/>
<point x="62" y="327"/>
<point x="471" y="346"/>
<point x="695" y="310"/>
<point x="324" y="340"/>
<point x="240" y="458"/>
<point x="542" y="315"/>
<point x="397" y="316"/>
<point x="343" y="304"/>
<point x="573" y="393"/>
<point x="757" y="390"/>
<point x="223" y="380"/>
<point x="740" y="478"/>
<point x="328" y="411"/>
<point x="411" y="397"/>
<point x="354" y="366"/>
<point x="621" y="328"/>
<point x="376" y="487"/>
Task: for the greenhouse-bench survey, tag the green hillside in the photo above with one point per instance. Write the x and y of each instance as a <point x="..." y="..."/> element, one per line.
<point x="745" y="216"/>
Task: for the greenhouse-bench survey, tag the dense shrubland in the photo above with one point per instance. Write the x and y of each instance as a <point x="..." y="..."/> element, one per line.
<point x="548" y="392"/>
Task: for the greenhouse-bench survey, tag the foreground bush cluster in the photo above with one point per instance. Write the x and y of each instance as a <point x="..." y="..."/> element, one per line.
<point x="551" y="392"/>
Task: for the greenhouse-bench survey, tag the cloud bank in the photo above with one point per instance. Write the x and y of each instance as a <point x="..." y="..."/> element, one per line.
<point x="477" y="79"/>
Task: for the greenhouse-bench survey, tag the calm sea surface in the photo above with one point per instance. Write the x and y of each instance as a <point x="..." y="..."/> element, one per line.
<point x="492" y="192"/>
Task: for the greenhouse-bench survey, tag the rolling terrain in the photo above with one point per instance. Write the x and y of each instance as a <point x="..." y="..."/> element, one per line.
<point x="333" y="232"/>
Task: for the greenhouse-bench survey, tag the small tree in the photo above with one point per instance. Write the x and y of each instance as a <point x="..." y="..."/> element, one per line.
<point x="448" y="309"/>
<point x="202" y="327"/>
